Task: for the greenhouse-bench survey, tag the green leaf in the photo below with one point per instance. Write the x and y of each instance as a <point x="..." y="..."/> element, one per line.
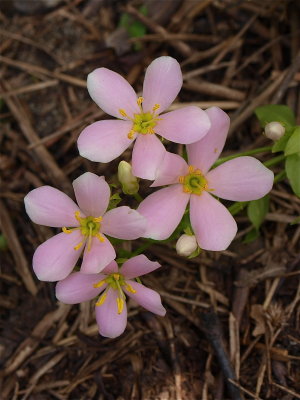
<point x="280" y="144"/>
<point x="114" y="200"/>
<point x="275" y="112"/>
<point x="251" y="236"/>
<point x="236" y="207"/>
<point x="293" y="145"/>
<point x="257" y="210"/>
<point x="292" y="167"/>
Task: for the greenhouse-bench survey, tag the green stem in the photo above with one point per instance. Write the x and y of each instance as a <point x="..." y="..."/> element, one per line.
<point x="274" y="161"/>
<point x="138" y="197"/>
<point x="279" y="177"/>
<point x="245" y="153"/>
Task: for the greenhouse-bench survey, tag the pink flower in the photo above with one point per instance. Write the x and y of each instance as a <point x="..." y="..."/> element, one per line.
<point x="54" y="259"/>
<point x="113" y="284"/>
<point x="240" y="179"/>
<point x="139" y="118"/>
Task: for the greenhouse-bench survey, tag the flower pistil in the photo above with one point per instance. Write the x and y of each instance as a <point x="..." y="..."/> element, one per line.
<point x="194" y="182"/>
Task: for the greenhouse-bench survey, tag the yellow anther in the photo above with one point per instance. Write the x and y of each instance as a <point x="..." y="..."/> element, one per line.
<point x="140" y="101"/>
<point x="191" y="169"/>
<point x="77" y="247"/>
<point x="66" y="230"/>
<point x="116" y="276"/>
<point x="120" y="305"/>
<point x="181" y="179"/>
<point x="77" y="216"/>
<point x="151" y="131"/>
<point x="186" y="190"/>
<point x="123" y="113"/>
<point x="130" y="288"/>
<point x="130" y="134"/>
<point x="156" y="107"/>
<point x="98" y="219"/>
<point x="101" y="300"/>
<point x="100" y="237"/>
<point x="98" y="284"/>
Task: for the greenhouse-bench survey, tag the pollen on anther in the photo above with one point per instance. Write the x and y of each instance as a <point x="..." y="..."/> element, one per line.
<point x="155" y="107"/>
<point x="66" y="230"/>
<point x="191" y="169"/>
<point x="100" y="237"/>
<point x="77" y="247"/>
<point x="101" y="300"/>
<point x="140" y="101"/>
<point x="181" y="179"/>
<point x="130" y="135"/>
<point x="123" y="113"/>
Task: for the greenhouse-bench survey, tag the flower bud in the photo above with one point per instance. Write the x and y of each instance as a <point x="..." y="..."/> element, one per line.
<point x="274" y="130"/>
<point x="186" y="245"/>
<point x="128" y="181"/>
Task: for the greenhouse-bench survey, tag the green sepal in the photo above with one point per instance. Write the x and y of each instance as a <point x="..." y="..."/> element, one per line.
<point x="114" y="200"/>
<point x="257" y="210"/>
<point x="292" y="167"/>
<point x="251" y="236"/>
<point x="293" y="144"/>
<point x="195" y="253"/>
<point x="275" y="112"/>
<point x="280" y="144"/>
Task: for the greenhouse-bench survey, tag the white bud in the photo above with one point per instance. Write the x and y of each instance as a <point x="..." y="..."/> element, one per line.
<point x="274" y="130"/>
<point x="128" y="181"/>
<point x="186" y="245"/>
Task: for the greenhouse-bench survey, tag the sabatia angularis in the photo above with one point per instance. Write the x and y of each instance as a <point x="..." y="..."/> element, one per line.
<point x="140" y="118"/>
<point x="84" y="227"/>
<point x="240" y="179"/>
<point x="113" y="284"/>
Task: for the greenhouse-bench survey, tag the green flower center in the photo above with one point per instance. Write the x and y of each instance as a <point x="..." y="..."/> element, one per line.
<point x="194" y="182"/>
<point x="89" y="227"/>
<point x="114" y="281"/>
<point x="143" y="123"/>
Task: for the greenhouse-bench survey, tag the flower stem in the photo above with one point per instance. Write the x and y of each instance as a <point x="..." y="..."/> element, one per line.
<point x="245" y="153"/>
<point x="138" y="197"/>
<point x="274" y="160"/>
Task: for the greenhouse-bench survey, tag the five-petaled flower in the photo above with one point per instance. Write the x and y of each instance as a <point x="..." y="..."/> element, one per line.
<point x="113" y="284"/>
<point x="240" y="179"/>
<point x="140" y="117"/>
<point x="83" y="227"/>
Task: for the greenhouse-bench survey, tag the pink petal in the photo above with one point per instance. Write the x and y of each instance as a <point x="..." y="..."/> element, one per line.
<point x="138" y="266"/>
<point x="54" y="259"/>
<point x="147" y="155"/>
<point x="145" y="297"/>
<point x="51" y="207"/>
<point x="123" y="223"/>
<point x="110" y="268"/>
<point x="92" y="194"/>
<point x="99" y="256"/>
<point x="163" y="81"/>
<point x="241" y="179"/>
<point x="170" y="169"/>
<point x="163" y="210"/>
<point x="111" y="92"/>
<point x="186" y="125"/>
<point x="110" y="323"/>
<point x="204" y="153"/>
<point x="103" y="141"/>
<point x="78" y="287"/>
<point x="212" y="223"/>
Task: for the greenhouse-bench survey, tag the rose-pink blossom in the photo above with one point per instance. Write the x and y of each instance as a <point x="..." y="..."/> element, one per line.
<point x="240" y="179"/>
<point x="140" y="117"/>
<point x="113" y="284"/>
<point x="84" y="227"/>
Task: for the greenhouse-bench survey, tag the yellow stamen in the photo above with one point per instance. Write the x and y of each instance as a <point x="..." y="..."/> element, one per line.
<point x="151" y="131"/>
<point x="140" y="101"/>
<point x="123" y="113"/>
<point x="102" y="299"/>
<point x="181" y="179"/>
<point x="98" y="284"/>
<point x="186" y="190"/>
<point x="77" y="247"/>
<point x="77" y="216"/>
<point x="191" y="169"/>
<point x="116" y="276"/>
<point x="98" y="219"/>
<point x="66" y="230"/>
<point x="130" y="288"/>
<point x="156" y="107"/>
<point x="120" y="305"/>
<point x="130" y="134"/>
<point x="100" y="237"/>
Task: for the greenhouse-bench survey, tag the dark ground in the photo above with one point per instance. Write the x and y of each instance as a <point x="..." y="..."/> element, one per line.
<point x="234" y="54"/>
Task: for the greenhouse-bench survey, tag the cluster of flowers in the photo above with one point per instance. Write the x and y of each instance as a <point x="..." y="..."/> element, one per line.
<point x="84" y="226"/>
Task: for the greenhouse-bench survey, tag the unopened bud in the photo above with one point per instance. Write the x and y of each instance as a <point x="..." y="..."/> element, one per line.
<point x="274" y="130"/>
<point x="128" y="181"/>
<point x="186" y="245"/>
